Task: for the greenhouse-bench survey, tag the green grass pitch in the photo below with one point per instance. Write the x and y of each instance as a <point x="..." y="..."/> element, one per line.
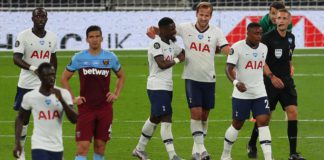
<point x="132" y="109"/>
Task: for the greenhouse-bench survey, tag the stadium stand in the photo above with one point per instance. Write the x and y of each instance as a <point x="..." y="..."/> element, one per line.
<point x="150" y="5"/>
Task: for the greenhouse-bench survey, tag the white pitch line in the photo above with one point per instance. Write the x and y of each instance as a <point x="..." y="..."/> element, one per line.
<point x="187" y="121"/>
<point x="183" y="138"/>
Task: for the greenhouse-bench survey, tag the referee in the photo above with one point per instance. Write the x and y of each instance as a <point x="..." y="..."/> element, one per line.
<point x="279" y="83"/>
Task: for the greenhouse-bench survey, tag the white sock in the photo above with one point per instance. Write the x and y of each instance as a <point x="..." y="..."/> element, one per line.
<point x="198" y="135"/>
<point x="204" y="128"/>
<point x="265" y="141"/>
<point x="167" y="137"/>
<point x="230" y="137"/>
<point x="23" y="135"/>
<point x="147" y="132"/>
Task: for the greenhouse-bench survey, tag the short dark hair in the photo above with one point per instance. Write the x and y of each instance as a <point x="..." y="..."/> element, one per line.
<point x="39" y="8"/>
<point x="43" y="66"/>
<point x="93" y="28"/>
<point x="277" y="5"/>
<point x="165" y="21"/>
<point x="253" y="25"/>
<point x="204" y="4"/>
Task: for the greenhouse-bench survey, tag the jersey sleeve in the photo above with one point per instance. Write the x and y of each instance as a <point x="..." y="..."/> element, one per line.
<point x="233" y="56"/>
<point x="73" y="65"/>
<point x="19" y="44"/>
<point x="26" y="104"/>
<point x="116" y="65"/>
<point x="155" y="49"/>
<point x="54" y="47"/>
<point x="177" y="49"/>
<point x="221" y="41"/>
<point x="67" y="96"/>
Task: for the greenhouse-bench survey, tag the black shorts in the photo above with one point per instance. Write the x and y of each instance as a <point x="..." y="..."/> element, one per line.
<point x="286" y="96"/>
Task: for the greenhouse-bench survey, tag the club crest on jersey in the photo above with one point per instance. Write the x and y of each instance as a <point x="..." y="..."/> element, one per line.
<point x="156" y="45"/>
<point x="290" y="40"/>
<point x="48" y="101"/>
<point x="49" y="44"/>
<point x="255" y="54"/>
<point x="17" y="43"/>
<point x="278" y="53"/>
<point x="42" y="42"/>
<point x="231" y="51"/>
<point x="200" y="36"/>
<point x="105" y="62"/>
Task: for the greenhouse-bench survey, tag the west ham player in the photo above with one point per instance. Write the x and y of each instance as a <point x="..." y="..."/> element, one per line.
<point x="200" y="41"/>
<point x="247" y="59"/>
<point x="95" y="101"/>
<point x="163" y="53"/>
<point x="47" y="104"/>
<point x="279" y="83"/>
<point x="33" y="47"/>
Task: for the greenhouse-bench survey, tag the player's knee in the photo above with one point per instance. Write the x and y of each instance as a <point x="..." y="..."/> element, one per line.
<point x="196" y="113"/>
<point x="82" y="148"/>
<point x="292" y="112"/>
<point x="237" y="124"/>
<point x="99" y="148"/>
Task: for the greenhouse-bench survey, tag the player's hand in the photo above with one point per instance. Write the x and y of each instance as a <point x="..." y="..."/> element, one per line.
<point x="151" y="32"/>
<point x="241" y="87"/>
<point x="111" y="97"/>
<point x="57" y="93"/>
<point x="218" y="50"/>
<point x="292" y="71"/>
<point x="181" y="57"/>
<point x="276" y="82"/>
<point x="79" y="100"/>
<point x="17" y="151"/>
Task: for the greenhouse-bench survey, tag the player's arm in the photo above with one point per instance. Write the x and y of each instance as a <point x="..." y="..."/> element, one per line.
<point x="22" y="118"/>
<point x="119" y="86"/>
<point x="68" y="109"/>
<point x="53" y="60"/>
<point x="230" y="73"/>
<point x="163" y="64"/>
<point x="276" y="82"/>
<point x="66" y="76"/>
<point x="292" y="69"/>
<point x="152" y="31"/>
<point x="225" y="49"/>
<point x="17" y="58"/>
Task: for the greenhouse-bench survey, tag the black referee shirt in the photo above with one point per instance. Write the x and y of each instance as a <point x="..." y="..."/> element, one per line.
<point x="280" y="50"/>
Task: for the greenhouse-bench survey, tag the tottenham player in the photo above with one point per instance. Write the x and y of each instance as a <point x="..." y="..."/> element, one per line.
<point x="247" y="59"/>
<point x="47" y="105"/>
<point x="33" y="47"/>
<point x="94" y="66"/>
<point x="163" y="53"/>
<point x="200" y="40"/>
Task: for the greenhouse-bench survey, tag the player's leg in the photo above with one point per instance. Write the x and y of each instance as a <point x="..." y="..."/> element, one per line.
<point x="261" y="111"/>
<point x="84" y="131"/>
<point x="194" y="100"/>
<point x="288" y="99"/>
<point x="17" y="104"/>
<point x="103" y="128"/>
<point x="148" y="127"/>
<point x="240" y="112"/>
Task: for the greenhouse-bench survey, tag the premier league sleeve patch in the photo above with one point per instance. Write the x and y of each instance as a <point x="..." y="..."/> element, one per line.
<point x="231" y="51"/>
<point x="157" y="45"/>
<point x="17" y="43"/>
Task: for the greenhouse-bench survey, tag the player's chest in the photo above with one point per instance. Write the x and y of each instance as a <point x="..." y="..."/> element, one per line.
<point x="48" y="109"/>
<point x="168" y="52"/>
<point x="282" y="49"/>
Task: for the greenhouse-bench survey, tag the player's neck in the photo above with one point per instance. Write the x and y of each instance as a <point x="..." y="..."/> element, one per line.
<point x="46" y="91"/>
<point x="201" y="28"/>
<point x="165" y="40"/>
<point x="282" y="33"/>
<point x="249" y="43"/>
<point x="39" y="32"/>
<point x="94" y="51"/>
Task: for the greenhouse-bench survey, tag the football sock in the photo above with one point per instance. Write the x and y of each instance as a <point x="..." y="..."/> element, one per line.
<point x="23" y="135"/>
<point x="198" y="135"/>
<point x="292" y="135"/>
<point x="265" y="142"/>
<point x="205" y="128"/>
<point x="78" y="157"/>
<point x="254" y="136"/>
<point x="98" y="157"/>
<point x="167" y="137"/>
<point x="147" y="132"/>
<point x="230" y="137"/>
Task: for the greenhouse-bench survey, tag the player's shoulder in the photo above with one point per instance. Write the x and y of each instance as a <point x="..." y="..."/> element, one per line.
<point x="269" y="34"/>
<point x="63" y="90"/>
<point x="108" y="53"/>
<point x="31" y="94"/>
<point x="239" y="44"/>
<point x="263" y="46"/>
<point x="155" y="43"/>
<point x="290" y="34"/>
<point x="25" y="33"/>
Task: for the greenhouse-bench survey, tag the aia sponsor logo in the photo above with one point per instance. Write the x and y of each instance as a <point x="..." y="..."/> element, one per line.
<point x="49" y="115"/>
<point x="254" y="65"/>
<point x="95" y="71"/>
<point x="200" y="47"/>
<point x="40" y="55"/>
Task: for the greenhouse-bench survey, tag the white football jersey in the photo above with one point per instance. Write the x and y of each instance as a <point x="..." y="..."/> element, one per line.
<point x="47" y="113"/>
<point x="36" y="51"/>
<point x="200" y="51"/>
<point x="249" y="64"/>
<point x="161" y="79"/>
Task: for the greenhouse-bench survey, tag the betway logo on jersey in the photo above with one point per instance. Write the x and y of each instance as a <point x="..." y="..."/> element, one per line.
<point x="95" y="71"/>
<point x="40" y="55"/>
<point x="200" y="47"/>
<point x="254" y="65"/>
